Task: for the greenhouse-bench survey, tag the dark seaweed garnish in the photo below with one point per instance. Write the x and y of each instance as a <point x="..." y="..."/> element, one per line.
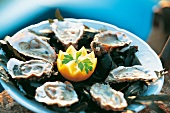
<point x="56" y="44"/>
<point x="27" y="88"/>
<point x="57" y="109"/>
<point x="79" y="107"/>
<point x="126" y="58"/>
<point x="104" y="65"/>
<point x="149" y="101"/>
<point x="86" y="39"/>
<point x="130" y="57"/>
<point x="137" y="88"/>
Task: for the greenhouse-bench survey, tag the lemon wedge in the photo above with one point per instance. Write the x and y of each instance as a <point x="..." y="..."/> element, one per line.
<point x="76" y="65"/>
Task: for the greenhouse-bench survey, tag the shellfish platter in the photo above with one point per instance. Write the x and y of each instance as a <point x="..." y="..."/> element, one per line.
<point x="78" y="65"/>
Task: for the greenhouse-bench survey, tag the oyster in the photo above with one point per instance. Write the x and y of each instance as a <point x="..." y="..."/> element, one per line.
<point x="108" y="98"/>
<point x="33" y="69"/>
<point x="59" y="93"/>
<point x="134" y="73"/>
<point x="31" y="45"/>
<point x="67" y="32"/>
<point x="106" y="41"/>
<point x="42" y="30"/>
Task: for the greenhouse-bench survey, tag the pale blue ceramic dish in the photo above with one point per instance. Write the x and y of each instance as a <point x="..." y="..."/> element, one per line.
<point x="146" y="55"/>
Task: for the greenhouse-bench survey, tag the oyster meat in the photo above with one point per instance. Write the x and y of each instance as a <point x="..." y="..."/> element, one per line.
<point x="59" y="93"/>
<point x="33" y="69"/>
<point x="31" y="45"/>
<point x="108" y="98"/>
<point x="134" y="73"/>
<point x="67" y="32"/>
<point x="106" y="41"/>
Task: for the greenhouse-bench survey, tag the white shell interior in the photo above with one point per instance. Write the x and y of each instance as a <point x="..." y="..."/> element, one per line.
<point x="112" y="38"/>
<point x="57" y="92"/>
<point x="107" y="97"/>
<point x="67" y="31"/>
<point x="27" y="69"/>
<point x="137" y="72"/>
<point x="31" y="45"/>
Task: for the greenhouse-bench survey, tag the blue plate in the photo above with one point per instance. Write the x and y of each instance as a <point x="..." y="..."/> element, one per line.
<point x="146" y="55"/>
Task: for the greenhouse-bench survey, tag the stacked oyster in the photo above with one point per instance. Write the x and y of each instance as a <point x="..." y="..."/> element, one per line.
<point x="32" y="59"/>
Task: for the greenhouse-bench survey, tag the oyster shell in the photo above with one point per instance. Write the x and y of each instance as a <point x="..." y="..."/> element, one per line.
<point x="67" y="32"/>
<point x="134" y="73"/>
<point x="33" y="69"/>
<point x="108" y="98"/>
<point x="31" y="45"/>
<point x="42" y="30"/>
<point x="106" y="41"/>
<point x="59" y="93"/>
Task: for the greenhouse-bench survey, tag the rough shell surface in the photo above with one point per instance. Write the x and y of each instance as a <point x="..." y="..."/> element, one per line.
<point x="108" y="98"/>
<point x="108" y="40"/>
<point x="59" y="93"/>
<point x="69" y="33"/>
<point x="33" y="46"/>
<point x="33" y="68"/>
<point x="134" y="73"/>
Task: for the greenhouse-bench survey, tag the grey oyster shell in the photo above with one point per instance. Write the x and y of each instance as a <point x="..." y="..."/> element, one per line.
<point x="107" y="40"/>
<point x="32" y="69"/>
<point x="31" y="45"/>
<point x="67" y="32"/>
<point x="108" y="98"/>
<point x="134" y="73"/>
<point x="56" y="93"/>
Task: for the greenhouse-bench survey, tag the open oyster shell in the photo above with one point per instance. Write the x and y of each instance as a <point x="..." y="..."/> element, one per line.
<point x="59" y="93"/>
<point x="134" y="73"/>
<point x="106" y="41"/>
<point x="42" y="30"/>
<point x="108" y="98"/>
<point x="31" y="45"/>
<point x="32" y="70"/>
<point x="68" y="33"/>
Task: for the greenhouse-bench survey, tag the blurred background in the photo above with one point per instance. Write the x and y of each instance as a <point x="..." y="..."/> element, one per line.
<point x="133" y="15"/>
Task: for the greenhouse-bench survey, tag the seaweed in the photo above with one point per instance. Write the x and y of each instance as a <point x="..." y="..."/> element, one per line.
<point x="149" y="100"/>
<point x="104" y="65"/>
<point x="27" y="88"/>
<point x="58" y="15"/>
<point x="137" y="88"/>
<point x="126" y="58"/>
<point x="57" y="109"/>
<point x="56" y="44"/>
<point x="130" y="57"/>
<point x="86" y="39"/>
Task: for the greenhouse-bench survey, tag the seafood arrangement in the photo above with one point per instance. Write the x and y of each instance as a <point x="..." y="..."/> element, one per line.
<point x="70" y="67"/>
